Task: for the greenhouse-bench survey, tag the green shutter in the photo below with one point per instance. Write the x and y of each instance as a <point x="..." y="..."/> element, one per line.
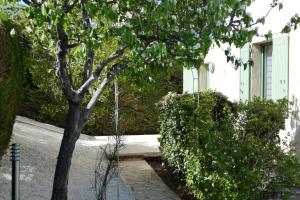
<point x="190" y="80"/>
<point x="245" y="74"/>
<point x="280" y="67"/>
<point x="207" y="79"/>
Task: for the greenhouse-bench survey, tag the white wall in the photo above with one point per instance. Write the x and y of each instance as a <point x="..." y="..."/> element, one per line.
<point x="293" y="124"/>
<point x="275" y="21"/>
<point x="226" y="80"/>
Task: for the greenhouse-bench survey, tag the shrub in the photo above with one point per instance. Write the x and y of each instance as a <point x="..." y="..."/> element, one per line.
<point x="11" y="72"/>
<point x="227" y="150"/>
<point x="175" y="125"/>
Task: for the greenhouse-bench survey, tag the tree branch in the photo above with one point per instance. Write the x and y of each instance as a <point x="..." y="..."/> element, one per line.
<point x="233" y="15"/>
<point x="86" y="24"/>
<point x="61" y="68"/>
<point x="116" y="68"/>
<point x="70" y="46"/>
<point x="67" y="7"/>
<point x="33" y="2"/>
<point x="172" y="40"/>
<point x="95" y="75"/>
<point x="235" y="23"/>
<point x="258" y="21"/>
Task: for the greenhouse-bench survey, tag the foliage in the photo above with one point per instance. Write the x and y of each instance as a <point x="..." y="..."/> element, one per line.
<point x="11" y="76"/>
<point x="138" y="114"/>
<point x="157" y="34"/>
<point x="174" y="112"/>
<point x="10" y="9"/>
<point x="227" y="150"/>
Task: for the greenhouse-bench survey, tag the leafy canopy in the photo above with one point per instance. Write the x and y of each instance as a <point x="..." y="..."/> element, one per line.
<point x="156" y="32"/>
<point x="91" y="41"/>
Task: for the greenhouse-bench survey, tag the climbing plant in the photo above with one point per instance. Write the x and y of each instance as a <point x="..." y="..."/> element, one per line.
<point x="11" y="76"/>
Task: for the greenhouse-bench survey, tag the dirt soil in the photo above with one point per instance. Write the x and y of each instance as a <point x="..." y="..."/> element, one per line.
<point x="169" y="178"/>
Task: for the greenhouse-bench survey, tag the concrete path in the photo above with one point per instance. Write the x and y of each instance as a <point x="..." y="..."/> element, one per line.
<point x="137" y="145"/>
<point x="39" y="148"/>
<point x="144" y="182"/>
<point x="134" y="145"/>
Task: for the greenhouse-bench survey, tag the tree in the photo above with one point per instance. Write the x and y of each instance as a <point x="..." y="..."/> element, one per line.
<point x="141" y="36"/>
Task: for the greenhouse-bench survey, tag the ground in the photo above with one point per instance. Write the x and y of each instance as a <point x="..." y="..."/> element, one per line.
<point x="144" y="182"/>
<point x="39" y="148"/>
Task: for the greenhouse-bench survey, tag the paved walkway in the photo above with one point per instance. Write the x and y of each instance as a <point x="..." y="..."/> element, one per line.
<point x="39" y="149"/>
<point x="135" y="145"/>
<point x="144" y="182"/>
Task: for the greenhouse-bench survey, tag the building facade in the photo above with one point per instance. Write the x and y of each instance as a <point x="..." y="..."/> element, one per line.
<point x="276" y="70"/>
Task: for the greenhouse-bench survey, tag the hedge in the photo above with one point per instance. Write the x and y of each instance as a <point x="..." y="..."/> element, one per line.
<point x="226" y="150"/>
<point x="11" y="72"/>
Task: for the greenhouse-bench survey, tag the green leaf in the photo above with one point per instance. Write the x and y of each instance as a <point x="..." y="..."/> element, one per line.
<point x="280" y="6"/>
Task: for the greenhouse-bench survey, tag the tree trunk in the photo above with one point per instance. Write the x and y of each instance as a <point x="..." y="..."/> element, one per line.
<point x="71" y="135"/>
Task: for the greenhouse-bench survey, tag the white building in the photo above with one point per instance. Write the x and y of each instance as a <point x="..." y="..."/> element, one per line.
<point x="276" y="70"/>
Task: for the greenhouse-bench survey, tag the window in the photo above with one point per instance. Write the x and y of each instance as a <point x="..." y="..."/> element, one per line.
<point x="269" y="76"/>
<point x="267" y="71"/>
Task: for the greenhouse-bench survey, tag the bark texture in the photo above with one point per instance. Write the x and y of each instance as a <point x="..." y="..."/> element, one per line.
<point x="71" y="135"/>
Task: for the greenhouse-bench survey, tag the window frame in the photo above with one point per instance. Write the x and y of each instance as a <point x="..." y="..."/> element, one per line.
<point x="262" y="67"/>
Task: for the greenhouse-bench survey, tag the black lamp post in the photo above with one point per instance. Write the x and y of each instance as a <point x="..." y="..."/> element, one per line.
<point x="15" y="158"/>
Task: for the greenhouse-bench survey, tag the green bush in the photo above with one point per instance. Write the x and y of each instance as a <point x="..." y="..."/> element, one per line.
<point x="175" y="126"/>
<point x="11" y="72"/>
<point x="226" y="150"/>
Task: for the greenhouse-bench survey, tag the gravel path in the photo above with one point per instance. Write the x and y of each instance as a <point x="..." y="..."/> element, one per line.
<point x="39" y="148"/>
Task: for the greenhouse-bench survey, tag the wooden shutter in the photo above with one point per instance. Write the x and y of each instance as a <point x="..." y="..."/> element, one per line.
<point x="190" y="80"/>
<point x="245" y="74"/>
<point x="280" y="67"/>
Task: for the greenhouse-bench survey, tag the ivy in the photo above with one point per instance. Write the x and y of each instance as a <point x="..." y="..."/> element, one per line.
<point x="226" y="150"/>
<point x="12" y="64"/>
